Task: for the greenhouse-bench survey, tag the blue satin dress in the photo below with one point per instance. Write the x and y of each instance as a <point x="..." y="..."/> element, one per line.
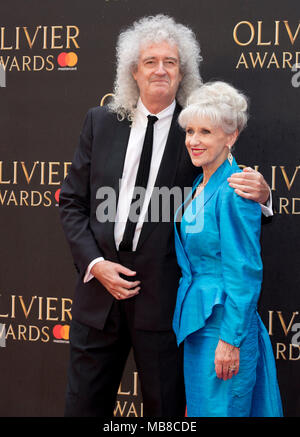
<point x="218" y="251"/>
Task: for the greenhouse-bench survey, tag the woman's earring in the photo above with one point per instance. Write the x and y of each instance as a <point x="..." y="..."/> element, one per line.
<point x="230" y="157"/>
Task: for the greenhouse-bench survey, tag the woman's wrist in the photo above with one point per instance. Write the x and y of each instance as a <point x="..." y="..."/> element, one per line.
<point x="228" y="345"/>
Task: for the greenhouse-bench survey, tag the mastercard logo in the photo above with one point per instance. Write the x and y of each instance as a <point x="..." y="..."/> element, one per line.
<point x="61" y="332"/>
<point x="67" y="59"/>
<point x="56" y="195"/>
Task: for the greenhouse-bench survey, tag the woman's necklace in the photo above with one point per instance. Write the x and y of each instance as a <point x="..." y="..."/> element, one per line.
<point x="200" y="187"/>
<point x="203" y="184"/>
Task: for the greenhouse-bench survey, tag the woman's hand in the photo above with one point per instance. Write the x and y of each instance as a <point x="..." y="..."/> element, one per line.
<point x="227" y="360"/>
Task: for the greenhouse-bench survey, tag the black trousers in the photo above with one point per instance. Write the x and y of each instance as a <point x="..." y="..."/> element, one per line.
<point x="98" y="358"/>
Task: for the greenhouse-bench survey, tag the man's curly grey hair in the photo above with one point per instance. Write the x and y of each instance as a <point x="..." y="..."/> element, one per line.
<point x="147" y="30"/>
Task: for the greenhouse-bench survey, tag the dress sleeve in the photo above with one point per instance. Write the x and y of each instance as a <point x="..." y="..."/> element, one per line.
<point x="239" y="224"/>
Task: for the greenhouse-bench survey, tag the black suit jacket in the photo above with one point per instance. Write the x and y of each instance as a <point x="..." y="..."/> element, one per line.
<point x="98" y="162"/>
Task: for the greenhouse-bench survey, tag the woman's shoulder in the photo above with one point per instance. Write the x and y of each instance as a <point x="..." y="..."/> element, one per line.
<point x="228" y="197"/>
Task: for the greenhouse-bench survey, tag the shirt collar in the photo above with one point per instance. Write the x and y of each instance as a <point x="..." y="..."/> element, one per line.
<point x="167" y="112"/>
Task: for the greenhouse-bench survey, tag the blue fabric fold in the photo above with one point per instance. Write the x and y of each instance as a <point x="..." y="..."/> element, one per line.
<point x="266" y="400"/>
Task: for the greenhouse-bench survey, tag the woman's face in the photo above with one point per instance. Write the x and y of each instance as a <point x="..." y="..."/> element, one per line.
<point x="207" y="144"/>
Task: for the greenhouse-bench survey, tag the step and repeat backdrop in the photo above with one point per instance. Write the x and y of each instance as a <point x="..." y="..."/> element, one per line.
<point x="58" y="60"/>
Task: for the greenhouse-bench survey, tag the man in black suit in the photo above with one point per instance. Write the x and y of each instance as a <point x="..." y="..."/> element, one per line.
<point x="128" y="275"/>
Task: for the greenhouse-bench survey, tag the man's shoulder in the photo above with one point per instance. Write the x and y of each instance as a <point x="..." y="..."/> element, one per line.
<point x="102" y="120"/>
<point x="101" y="113"/>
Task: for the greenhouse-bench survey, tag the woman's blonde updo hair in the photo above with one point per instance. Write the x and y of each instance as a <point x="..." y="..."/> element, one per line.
<point x="224" y="105"/>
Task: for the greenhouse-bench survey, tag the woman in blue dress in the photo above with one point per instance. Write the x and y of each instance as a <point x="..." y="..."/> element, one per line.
<point x="229" y="367"/>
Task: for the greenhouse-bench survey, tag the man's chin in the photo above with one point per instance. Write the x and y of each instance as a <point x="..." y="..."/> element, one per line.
<point x="160" y="86"/>
<point x="161" y="92"/>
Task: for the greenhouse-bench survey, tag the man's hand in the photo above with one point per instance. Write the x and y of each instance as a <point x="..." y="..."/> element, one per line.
<point x="250" y="184"/>
<point x="108" y="274"/>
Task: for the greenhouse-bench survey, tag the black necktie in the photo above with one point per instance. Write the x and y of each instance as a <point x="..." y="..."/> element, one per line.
<point x="141" y="181"/>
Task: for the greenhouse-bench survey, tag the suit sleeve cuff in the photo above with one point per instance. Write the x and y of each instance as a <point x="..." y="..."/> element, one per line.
<point x="88" y="275"/>
<point x="267" y="209"/>
<point x="234" y="340"/>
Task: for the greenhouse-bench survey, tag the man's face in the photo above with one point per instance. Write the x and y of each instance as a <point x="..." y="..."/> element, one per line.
<point x="158" y="73"/>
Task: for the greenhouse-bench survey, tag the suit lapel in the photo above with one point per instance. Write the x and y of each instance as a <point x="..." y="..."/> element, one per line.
<point x="117" y="146"/>
<point x="215" y="181"/>
<point x="114" y="169"/>
<point x="167" y="170"/>
<point x="173" y="150"/>
<point x="181" y="253"/>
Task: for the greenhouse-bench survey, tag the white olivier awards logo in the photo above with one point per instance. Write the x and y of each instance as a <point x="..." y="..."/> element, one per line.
<point x="267" y="45"/>
<point x="34" y="319"/>
<point x="39" y="48"/>
<point x="33" y="184"/>
<point x="287" y="326"/>
<point x="128" y="402"/>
